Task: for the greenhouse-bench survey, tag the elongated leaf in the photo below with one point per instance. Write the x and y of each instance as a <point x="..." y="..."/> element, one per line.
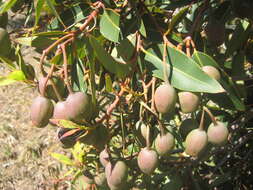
<point x="203" y="59"/>
<point x="38" y="9"/>
<point x="239" y="37"/>
<point x="7" y="5"/>
<point x="142" y="29"/>
<point x="71" y="16"/>
<point x="51" y="33"/>
<point x="109" y="25"/>
<point x="108" y="83"/>
<point x="51" y="6"/>
<point x="17" y="75"/>
<point x="228" y="85"/>
<point x="121" y="70"/>
<point x="8" y="62"/>
<point x="238" y="63"/>
<point x="13" y="77"/>
<point x="69" y="124"/>
<point x="63" y="159"/>
<point x="186" y="74"/>
<point x="5" y="81"/>
<point x="177" y="18"/>
<point x="77" y="77"/>
<point x="39" y="42"/>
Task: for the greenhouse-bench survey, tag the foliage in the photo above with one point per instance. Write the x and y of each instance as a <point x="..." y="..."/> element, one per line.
<point x="119" y="53"/>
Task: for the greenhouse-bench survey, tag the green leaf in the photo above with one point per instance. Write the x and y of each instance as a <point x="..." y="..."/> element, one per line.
<point x="77" y="77"/>
<point x="51" y="33"/>
<point x="7" y="5"/>
<point x="13" y="77"/>
<point x="238" y="63"/>
<point x="186" y="73"/>
<point x="109" y="25"/>
<point x="78" y="152"/>
<point x="8" y="62"/>
<point x="239" y="37"/>
<point x="63" y="159"/>
<point x="91" y="63"/>
<point x="108" y="83"/>
<point x="121" y="70"/>
<point x="51" y="6"/>
<point x="176" y="19"/>
<point x="142" y="29"/>
<point x="125" y="50"/>
<point x="39" y="42"/>
<point x="17" y="75"/>
<point x="231" y="93"/>
<point x="5" y="81"/>
<point x="203" y="59"/>
<point x="69" y="124"/>
<point x="38" y="9"/>
<point x="71" y="16"/>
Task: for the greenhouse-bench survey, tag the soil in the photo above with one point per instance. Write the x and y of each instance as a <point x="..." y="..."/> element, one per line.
<point x="25" y="161"/>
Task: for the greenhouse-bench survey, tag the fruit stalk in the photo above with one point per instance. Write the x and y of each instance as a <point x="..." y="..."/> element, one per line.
<point x="201" y="124"/>
<point x="148" y="144"/>
<point x="161" y="127"/>
<point x="210" y="115"/>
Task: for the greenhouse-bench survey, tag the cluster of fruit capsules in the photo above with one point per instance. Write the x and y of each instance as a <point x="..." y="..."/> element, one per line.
<point x="76" y="107"/>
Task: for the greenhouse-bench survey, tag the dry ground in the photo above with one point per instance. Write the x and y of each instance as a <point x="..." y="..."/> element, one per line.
<point x="25" y="161"/>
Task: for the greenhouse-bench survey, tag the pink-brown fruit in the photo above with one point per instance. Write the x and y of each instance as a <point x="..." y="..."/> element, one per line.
<point x="147" y="160"/>
<point x="212" y="72"/>
<point x="79" y="106"/>
<point x="165" y="98"/>
<point x="217" y="134"/>
<point x="164" y="144"/>
<point x="60" y="110"/>
<point x="195" y="142"/>
<point x="189" y="101"/>
<point x="116" y="174"/>
<point x="41" y="111"/>
<point x="104" y="157"/>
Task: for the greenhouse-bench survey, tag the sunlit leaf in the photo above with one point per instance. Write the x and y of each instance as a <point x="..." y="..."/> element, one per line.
<point x="121" y="70"/>
<point x="7" y="5"/>
<point x="186" y="74"/>
<point x="52" y="7"/>
<point x="38" y="9"/>
<point x="203" y="59"/>
<point x="109" y="25"/>
<point x="63" y="159"/>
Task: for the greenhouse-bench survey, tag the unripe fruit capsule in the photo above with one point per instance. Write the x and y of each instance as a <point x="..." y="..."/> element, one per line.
<point x="147" y="160"/>
<point x="165" y="98"/>
<point x="212" y="72"/>
<point x="116" y="174"/>
<point x="217" y="134"/>
<point x="189" y="101"/>
<point x="41" y="111"/>
<point x="79" y="105"/>
<point x="195" y="142"/>
<point x="164" y="144"/>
